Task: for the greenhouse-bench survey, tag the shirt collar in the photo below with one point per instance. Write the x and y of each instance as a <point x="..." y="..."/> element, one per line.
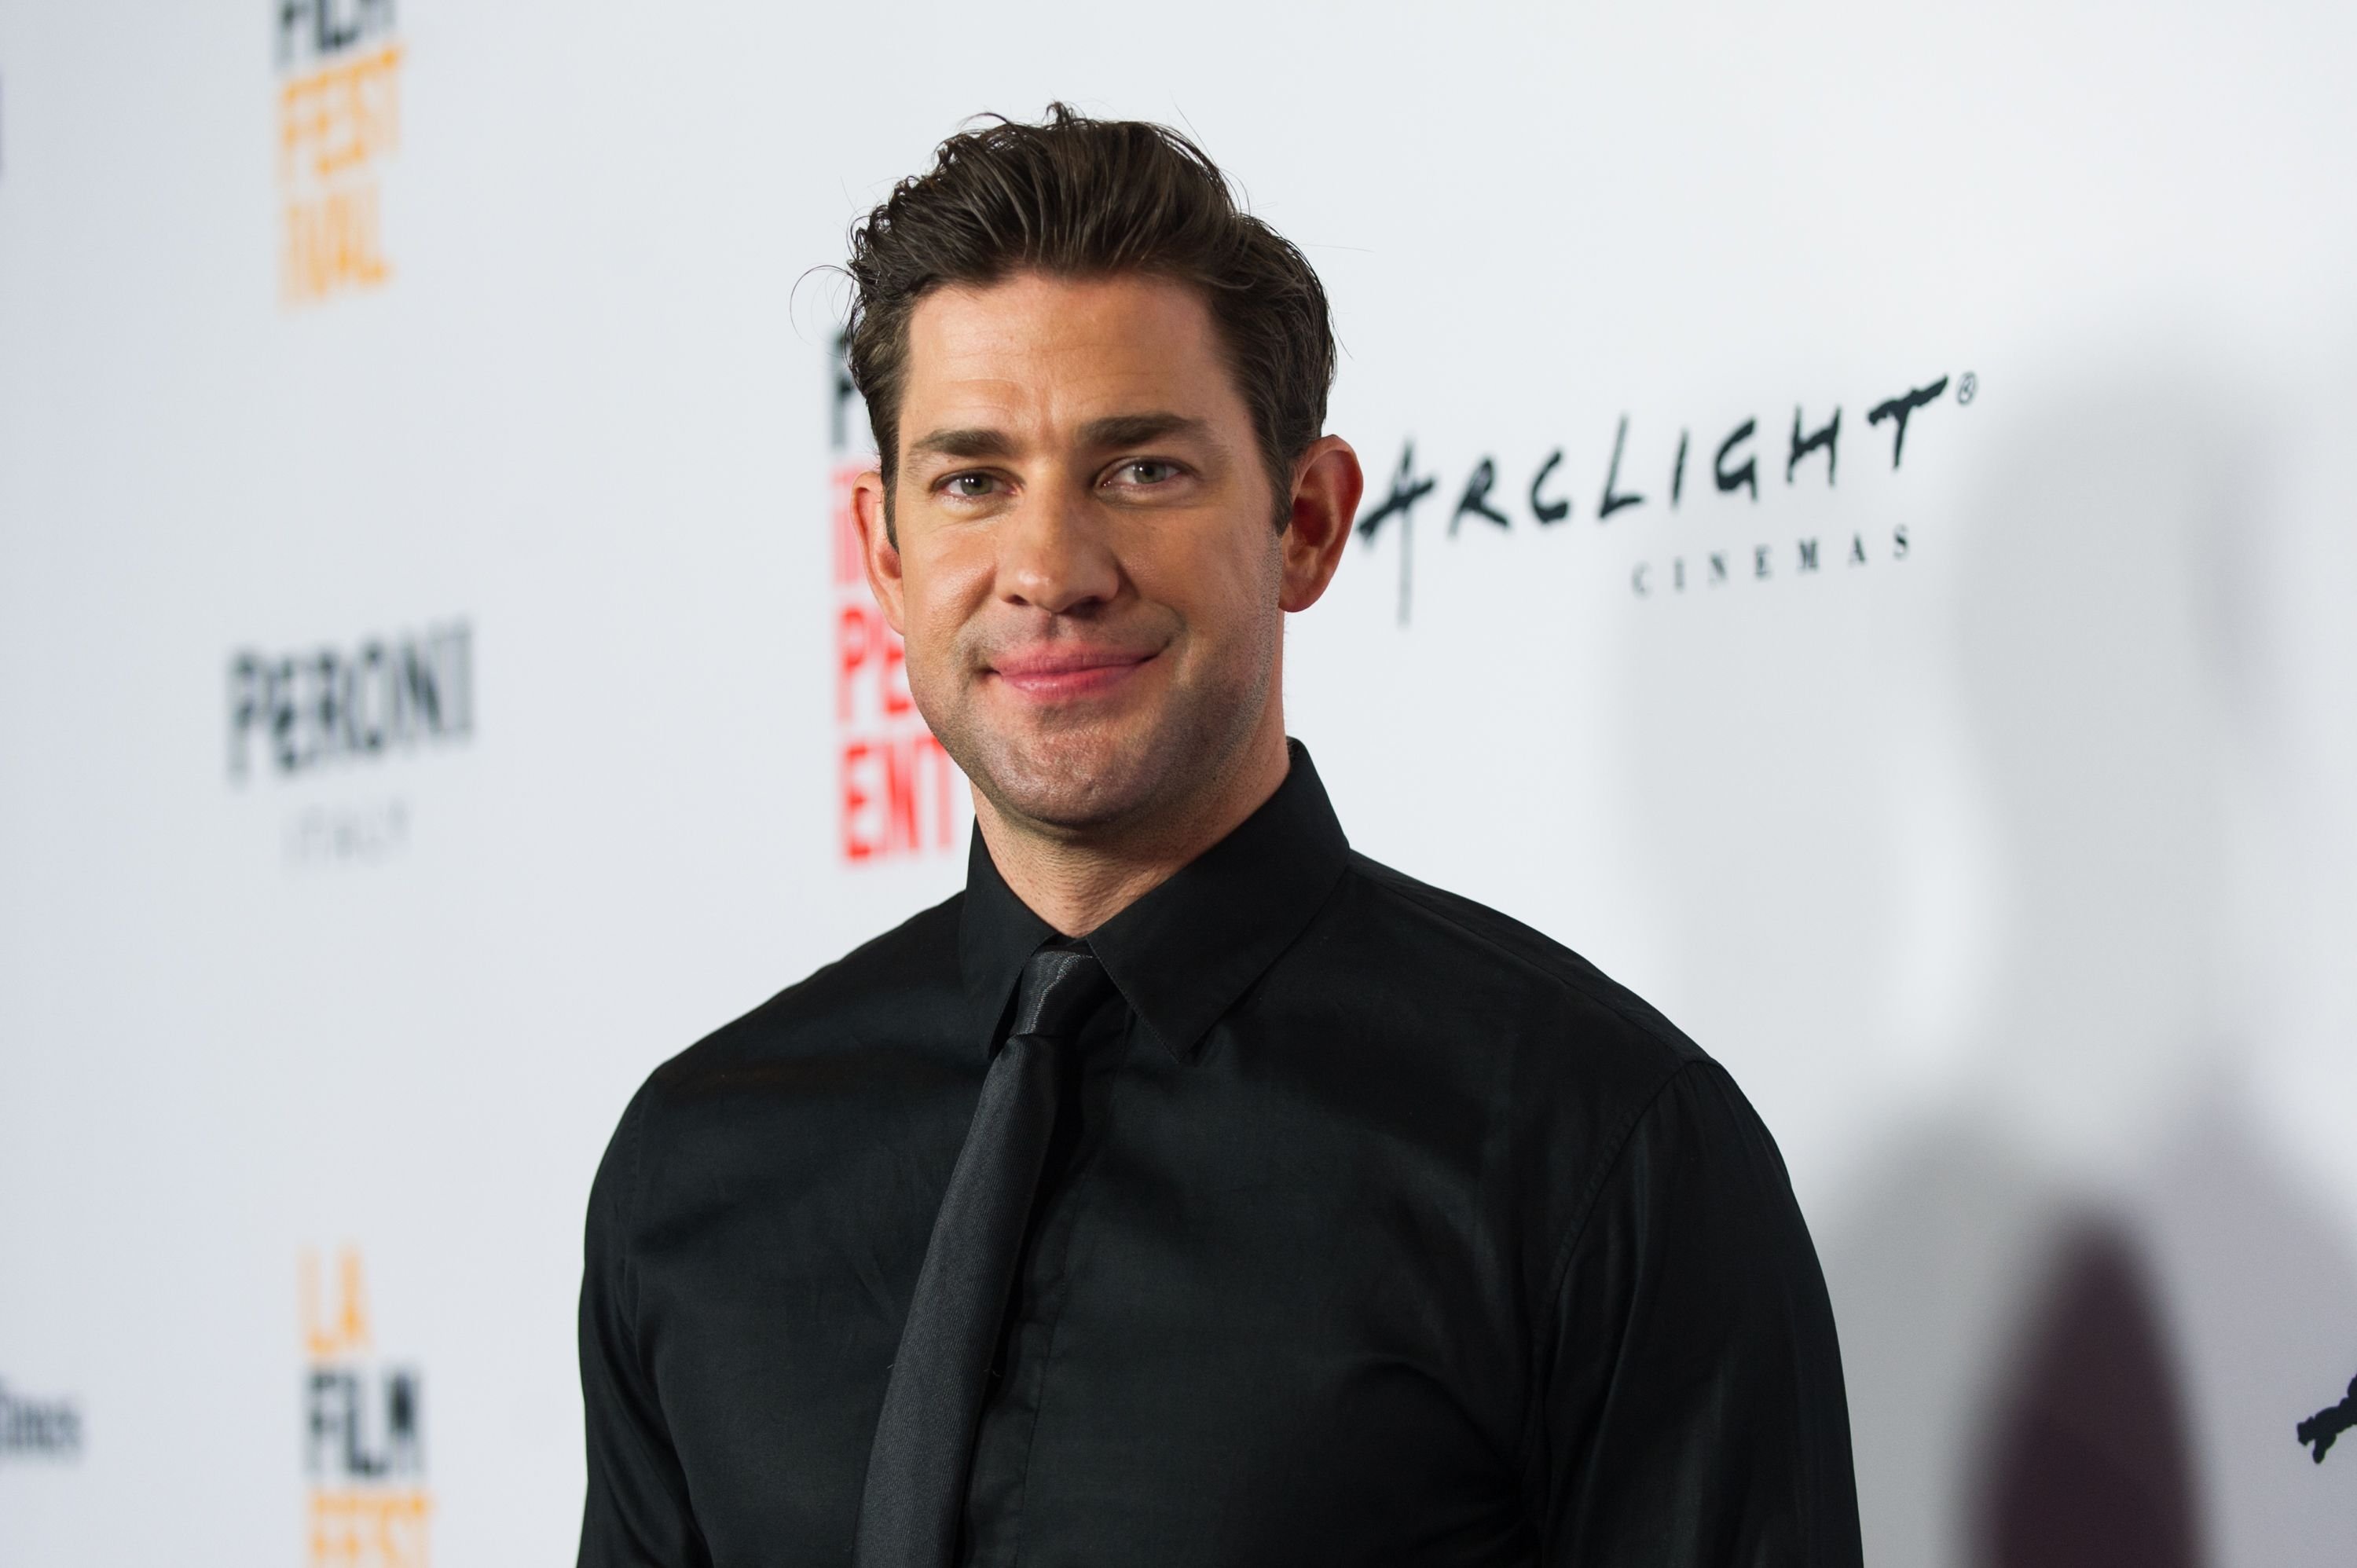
<point x="1182" y="954"/>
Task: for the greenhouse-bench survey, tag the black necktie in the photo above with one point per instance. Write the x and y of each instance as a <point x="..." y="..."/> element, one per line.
<point x="915" y="1494"/>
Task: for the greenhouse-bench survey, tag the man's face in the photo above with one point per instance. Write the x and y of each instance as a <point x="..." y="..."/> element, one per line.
<point x="1088" y="574"/>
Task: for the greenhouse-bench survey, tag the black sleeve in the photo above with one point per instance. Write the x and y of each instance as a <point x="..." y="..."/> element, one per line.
<point x="636" y="1513"/>
<point x="1692" y="1411"/>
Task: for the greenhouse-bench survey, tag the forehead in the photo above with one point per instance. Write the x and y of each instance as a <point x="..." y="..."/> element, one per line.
<point x="1045" y="351"/>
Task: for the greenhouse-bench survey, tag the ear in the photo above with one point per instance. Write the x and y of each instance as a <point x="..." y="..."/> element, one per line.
<point x="1326" y="484"/>
<point x="877" y="550"/>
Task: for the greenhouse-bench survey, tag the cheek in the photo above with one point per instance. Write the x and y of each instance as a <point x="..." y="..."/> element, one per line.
<point x="1222" y="581"/>
<point x="941" y="591"/>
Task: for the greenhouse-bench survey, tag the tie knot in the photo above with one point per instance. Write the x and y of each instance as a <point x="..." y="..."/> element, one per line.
<point x="1061" y="988"/>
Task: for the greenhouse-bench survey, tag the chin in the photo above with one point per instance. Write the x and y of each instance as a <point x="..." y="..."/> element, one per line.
<point x="1073" y="782"/>
<point x="1077" y="793"/>
<point x="1117" y="768"/>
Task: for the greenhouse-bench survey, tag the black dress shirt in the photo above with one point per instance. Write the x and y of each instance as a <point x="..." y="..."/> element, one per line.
<point x="1378" y="1229"/>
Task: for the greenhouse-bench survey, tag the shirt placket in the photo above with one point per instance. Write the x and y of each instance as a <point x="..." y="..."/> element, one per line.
<point x="1010" y="1426"/>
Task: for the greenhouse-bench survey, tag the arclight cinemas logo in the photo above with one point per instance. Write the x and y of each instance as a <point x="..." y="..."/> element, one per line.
<point x="1688" y="503"/>
<point x="304" y="710"/>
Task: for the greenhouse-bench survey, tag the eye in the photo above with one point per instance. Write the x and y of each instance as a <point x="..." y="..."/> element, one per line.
<point x="1145" y="471"/>
<point x="968" y="487"/>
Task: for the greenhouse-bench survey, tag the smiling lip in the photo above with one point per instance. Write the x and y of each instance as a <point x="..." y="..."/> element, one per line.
<point x="1054" y="674"/>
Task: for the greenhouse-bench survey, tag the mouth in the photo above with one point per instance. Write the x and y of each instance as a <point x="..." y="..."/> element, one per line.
<point x="1062" y="674"/>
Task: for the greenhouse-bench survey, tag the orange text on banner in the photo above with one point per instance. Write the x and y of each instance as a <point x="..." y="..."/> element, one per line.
<point x="334" y="127"/>
<point x="369" y="1529"/>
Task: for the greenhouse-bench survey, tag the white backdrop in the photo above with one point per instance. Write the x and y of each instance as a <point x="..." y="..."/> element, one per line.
<point x="461" y="369"/>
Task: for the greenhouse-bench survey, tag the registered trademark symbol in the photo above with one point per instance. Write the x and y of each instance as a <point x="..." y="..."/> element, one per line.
<point x="1968" y="387"/>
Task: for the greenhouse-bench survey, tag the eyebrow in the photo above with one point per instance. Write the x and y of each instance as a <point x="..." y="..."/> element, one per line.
<point x="1136" y="429"/>
<point x="967" y="443"/>
<point x="1113" y="430"/>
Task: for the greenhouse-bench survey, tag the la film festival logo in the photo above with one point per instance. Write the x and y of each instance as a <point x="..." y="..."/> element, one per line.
<point x="363" y="1429"/>
<point x="896" y="792"/>
<point x="1646" y="475"/>
<point x="338" y="121"/>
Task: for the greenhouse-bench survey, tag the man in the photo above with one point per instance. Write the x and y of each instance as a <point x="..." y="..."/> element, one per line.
<point x="1189" y="1189"/>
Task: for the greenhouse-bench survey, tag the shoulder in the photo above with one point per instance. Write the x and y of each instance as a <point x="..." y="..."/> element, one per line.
<point x="1578" y="1068"/>
<point x="1437" y="938"/>
<point x="1477" y="1008"/>
<point x="768" y="1103"/>
<point x="897" y="988"/>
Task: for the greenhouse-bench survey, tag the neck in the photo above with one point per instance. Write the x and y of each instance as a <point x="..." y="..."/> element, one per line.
<point x="1076" y="881"/>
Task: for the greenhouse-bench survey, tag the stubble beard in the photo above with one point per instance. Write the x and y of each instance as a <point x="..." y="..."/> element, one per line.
<point x="1080" y="779"/>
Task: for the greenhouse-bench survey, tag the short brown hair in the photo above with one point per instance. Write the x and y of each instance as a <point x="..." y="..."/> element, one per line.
<point x="1083" y="198"/>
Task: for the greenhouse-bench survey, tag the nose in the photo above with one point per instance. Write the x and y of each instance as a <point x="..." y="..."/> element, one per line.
<point x="1054" y="556"/>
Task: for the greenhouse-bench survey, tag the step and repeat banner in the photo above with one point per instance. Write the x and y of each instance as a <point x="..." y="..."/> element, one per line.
<point x="1858" y="543"/>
